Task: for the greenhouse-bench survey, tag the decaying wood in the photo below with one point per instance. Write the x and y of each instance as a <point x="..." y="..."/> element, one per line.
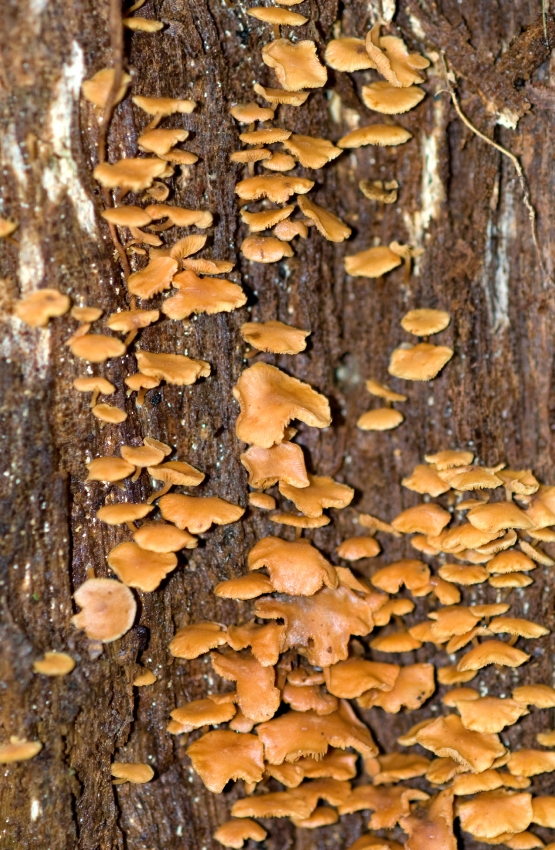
<point x="459" y="199"/>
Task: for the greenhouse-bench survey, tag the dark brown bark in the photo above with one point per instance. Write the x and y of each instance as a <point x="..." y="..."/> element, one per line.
<point x="460" y="200"/>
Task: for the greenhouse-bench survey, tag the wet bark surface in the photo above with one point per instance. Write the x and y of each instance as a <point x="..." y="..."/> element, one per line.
<point x="460" y="200"/>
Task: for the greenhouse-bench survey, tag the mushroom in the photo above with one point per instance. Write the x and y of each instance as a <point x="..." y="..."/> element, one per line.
<point x="192" y="641"/>
<point x="322" y="492"/>
<point x="173" y="368"/>
<point x="162" y="537"/>
<point x="447" y="737"/>
<point x="387" y="135"/>
<point x="431" y="824"/>
<point x="296" y="65"/>
<point x="401" y="641"/>
<point x="513" y="580"/>
<point x="493" y="813"/>
<point x="289" y="98"/>
<point x="234" y="832"/>
<point x="109" y="469"/>
<point x="517" y="626"/>
<point x="154" y="278"/>
<point x="274" y="336"/>
<point x="329" y="225"/>
<point x="390" y="100"/>
<point x="348" y="54"/>
<point x="269" y="399"/>
<point x="278" y="17"/>
<point x="420" y="362"/>
<point x="374" y="262"/>
<point x="519" y="481"/>
<point x="450" y="459"/>
<point x="209" y="295"/>
<point x="172" y="473"/>
<point x="144" y="678"/>
<point x="543" y="811"/>
<point x="492" y="652"/>
<point x="497" y="517"/>
<point x="140" y="383"/>
<point x="429" y="519"/>
<point x="295" y="567"/>
<point x="465" y="575"/>
<point x="127" y="216"/>
<point x="97" y="348"/>
<point x="161" y="107"/>
<point x="257" y="696"/>
<point x="109" y="609"/>
<point x="19" y="750"/>
<point x="425" y="480"/>
<point x="355" y="548"/>
<point x="268" y="136"/>
<point x="222" y="755"/>
<point x="265" y="249"/>
<point x="244" y="587"/>
<point x="247" y="113"/>
<point x="38" y="307"/>
<point x="380" y="419"/>
<point x="94" y="385"/>
<point x="413" y="686"/>
<point x="142" y="456"/>
<point x="130" y="321"/>
<point x="198" y="513"/>
<point x="99" y="87"/>
<point x="129" y="175"/>
<point x="276" y="804"/>
<point x="425" y="322"/>
<point x="308" y="698"/>
<point x="140" y="568"/>
<point x="353" y="677"/>
<point x="161" y="142"/>
<point x="204" y="266"/>
<point x="86" y="314"/>
<point x="397" y="767"/>
<point x="54" y="664"/>
<point x="336" y="764"/>
<point x="265" y="641"/>
<point x="179" y="216"/>
<point x="392" y="59"/>
<point x="138" y="24"/>
<point x="299" y="520"/>
<point x="284" y="463"/>
<point x="321" y="816"/>
<point x="383" y="391"/>
<point x="531" y="762"/>
<point x="124" y="512"/>
<point x="414" y="575"/>
<point x="201" y="712"/>
<point x="276" y="187"/>
<point x="287" y="230"/>
<point x="489" y="714"/>
<point x="265" y="219"/>
<point x="311" y="152"/>
<point x="540" y="696"/>
<point x="388" y="804"/>
<point x="134" y="772"/>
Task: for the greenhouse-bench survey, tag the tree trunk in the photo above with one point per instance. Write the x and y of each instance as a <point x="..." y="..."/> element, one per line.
<point x="485" y="260"/>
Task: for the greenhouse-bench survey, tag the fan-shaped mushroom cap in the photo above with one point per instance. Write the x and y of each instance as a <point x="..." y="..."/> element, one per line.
<point x="420" y="362"/>
<point x="276" y="187"/>
<point x="222" y="755"/>
<point x="127" y="216"/>
<point x="531" y="762"/>
<point x="305" y="733"/>
<point x="390" y="100"/>
<point x="265" y="219"/>
<point x="425" y="322"/>
<point x="19" y="750"/>
<point x="489" y="714"/>
<point x="295" y="567"/>
<point x="322" y="623"/>
<point x="455" y="620"/>
<point x="447" y="737"/>
<point x="492" y="652"/>
<point x="460" y="694"/>
<point x="375" y="134"/>
<point x="40" y="306"/>
<point x="140" y="568"/>
<point x="348" y="54"/>
<point x="299" y="520"/>
<point x="296" y="65"/>
<point x="265" y="641"/>
<point x="265" y="249"/>
<point x="192" y="641"/>
<point x="311" y="152"/>
<point x="144" y="678"/>
<point x="94" y="384"/>
<point x="138" y="381"/>
<point x="328" y="224"/>
<point x="244" y="587"/>
<point x="274" y="336"/>
<point x="402" y="641"/>
<point x="123" y="512"/>
<point x="335" y="764"/>
<point x="283" y="462"/>
<point x="493" y="813"/>
<point x="266" y="136"/>
<point x="276" y="804"/>
<point x="425" y="480"/>
<point x="449" y="459"/>
<point x="389" y="804"/>
<point x="99" y="87"/>
<point x="162" y="537"/>
<point x="413" y="574"/>
<point x="180" y="216"/>
<point x="536" y="554"/>
<point x="134" y="772"/>
<point x="374" y="262"/>
<point x="247" y="113"/>
<point x="109" y="609"/>
<point x="86" y="314"/>
<point x="270" y="399"/>
<point x="132" y="175"/>
<point x="177" y="472"/>
<point x="138" y="24"/>
<point x="160" y="141"/>
<point x="429" y="519"/>
<point x="351" y="678"/>
<point x="395" y="607"/>
<point x="322" y="492"/>
<point x="257" y="696"/>
<point x="129" y="320"/>
<point x="234" y="832"/>
<point x="520" y="481"/>
<point x="498" y="516"/>
<point x="473" y="478"/>
<point x="431" y="825"/>
<point x="392" y="59"/>
<point x="543" y="809"/>
<point x="142" y="456"/>
<point x="473" y="783"/>
<point x="321" y="816"/>
<point x="289" y="98"/>
<point x="355" y="548"/>
<point x="383" y="391"/>
<point x="154" y="278"/>
<point x="540" y="696"/>
<point x="202" y="295"/>
<point x="396" y="767"/>
<point x="465" y="575"/>
<point x="109" y="469"/>
<point x="308" y="698"/>
<point x="164" y="106"/>
<point x="204" y="266"/>
<point x="97" y="348"/>
<point x="173" y="368"/>
<point x="380" y="419"/>
<point x="198" y="513"/>
<point x="517" y="626"/>
<point x="54" y="664"/>
<point x="280" y="17"/>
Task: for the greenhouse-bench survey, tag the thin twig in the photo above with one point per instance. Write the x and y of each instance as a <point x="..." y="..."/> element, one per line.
<point x="116" y="44"/>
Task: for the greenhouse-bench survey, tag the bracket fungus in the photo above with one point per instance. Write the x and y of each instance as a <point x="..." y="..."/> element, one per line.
<point x="322" y="492"/>
<point x="108" y="609"/>
<point x="54" y="664"/>
<point x="153" y="278"/>
<point x="380" y="419"/>
<point x="163" y="537"/>
<point x="390" y="100"/>
<point x="98" y="88"/>
<point x="355" y="548"/>
<point x="248" y="113"/>
<point x="174" y="472"/>
<point x="19" y="749"/>
<point x="257" y="696"/>
<point x="194" y="640"/>
<point x="234" y="832"/>
<point x="328" y="224"/>
<point x="425" y="322"/>
<point x="275" y="187"/>
<point x="311" y="152"/>
<point x="265" y="249"/>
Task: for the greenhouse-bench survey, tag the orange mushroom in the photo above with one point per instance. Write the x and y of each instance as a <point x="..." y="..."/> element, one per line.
<point x="494" y="813"/>
<point x="154" y="278"/>
<point x="276" y="187"/>
<point x="390" y="100"/>
<point x="257" y="696"/>
<point x="420" y="362"/>
<point x="37" y="308"/>
<point x="431" y="824"/>
<point x="348" y="54"/>
<point x="99" y="87"/>
<point x="283" y="462"/>
<point x="296" y="65"/>
<point x="222" y="755"/>
<point x="447" y="737"/>
<point x="109" y="609"/>
<point x="413" y="686"/>
<point x="192" y="641"/>
<point x="322" y="492"/>
<point x="129" y="175"/>
<point x="140" y="568"/>
<point x="295" y="567"/>
<point x="234" y="832"/>
<point x="385" y="135"/>
<point x="173" y="368"/>
<point x="374" y="262"/>
<point x="198" y="513"/>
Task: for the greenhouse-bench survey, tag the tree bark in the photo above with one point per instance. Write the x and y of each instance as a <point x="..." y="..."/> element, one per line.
<point x="484" y="260"/>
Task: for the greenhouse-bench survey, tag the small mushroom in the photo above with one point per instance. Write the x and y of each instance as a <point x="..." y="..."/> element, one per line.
<point x="276" y="187"/>
<point x="265" y="249"/>
<point x="234" y="832"/>
<point x="289" y="98"/>
<point x="348" y="54"/>
<point x="172" y="473"/>
<point x="425" y="322"/>
<point x="162" y="537"/>
<point x="129" y="175"/>
<point x="54" y="664"/>
<point x="283" y="462"/>
<point x="265" y="219"/>
<point x="127" y="216"/>
<point x="123" y="512"/>
<point x="274" y="336"/>
<point x="134" y="772"/>
<point x="498" y="516"/>
<point x="175" y="369"/>
<point x="299" y="520"/>
<point x="489" y="714"/>
<point x="109" y="469"/>
<point x="493" y="813"/>
<point x="278" y="17"/>
<point x="140" y="383"/>
<point x="429" y="519"/>
<point x="94" y="385"/>
<point x="322" y="492"/>
<point x="374" y="262"/>
<point x="379" y="190"/>
<point x="421" y="362"/>
<point x="140" y="568"/>
<point x="201" y="712"/>
<point x="244" y="587"/>
<point x="295" y="567"/>
<point x="192" y="641"/>
<point x="351" y="678"/>
<point x="161" y="142"/>
<point x="109" y="609"/>
<point x="492" y="652"/>
<point x="248" y="113"/>
<point x="268" y="136"/>
<point x="107" y="413"/>
<point x="144" y="678"/>
<point x="38" y="307"/>
<point x="19" y="749"/>
<point x="197" y="514"/>
<point x="380" y="419"/>
<point x="257" y="696"/>
<point x="99" y="87"/>
<point x="287" y="230"/>
<point x="446" y="737"/>
<point x="138" y="24"/>
<point x="355" y="548"/>
<point x="97" y="348"/>
<point x="387" y="135"/>
<point x="154" y="278"/>
<point x="390" y="100"/>
<point x="86" y="314"/>
<point x="510" y="562"/>
<point x="296" y="65"/>
<point x="328" y="224"/>
<point x="222" y="755"/>
<point x="202" y="295"/>
<point x="311" y="152"/>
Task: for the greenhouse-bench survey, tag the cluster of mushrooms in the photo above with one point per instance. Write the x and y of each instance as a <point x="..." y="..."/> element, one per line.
<point x="287" y="721"/>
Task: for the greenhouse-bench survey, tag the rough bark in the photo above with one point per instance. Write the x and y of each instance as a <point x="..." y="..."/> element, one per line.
<point x="460" y="200"/>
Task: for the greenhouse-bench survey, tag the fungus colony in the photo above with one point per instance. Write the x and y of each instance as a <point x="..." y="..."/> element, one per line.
<point x="286" y="721"/>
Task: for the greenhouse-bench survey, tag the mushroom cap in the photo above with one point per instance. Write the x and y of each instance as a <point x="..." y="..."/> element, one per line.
<point x="40" y="306"/>
<point x="154" y="278"/>
<point x="531" y="762"/>
<point x="473" y="783"/>
<point x="90" y="385"/>
<point x="328" y="224"/>
<point x="322" y="492"/>
<point x="311" y="152"/>
<point x="162" y="537"/>
<point x="266" y="136"/>
<point x="425" y="480"/>
<point x="390" y="100"/>
<point x="144" y="678"/>
<point x="54" y="664"/>
<point x="247" y="113"/>
<point x="283" y="462"/>
<point x="498" y="516"/>
<point x="234" y="832"/>
<point x="336" y="764"/>
<point x="374" y="262"/>
<point x="265" y="219"/>
<point x="378" y="190"/>
<point x="380" y="419"/>
<point x="355" y="548"/>
<point x="161" y="141"/>
<point x="295" y="567"/>
<point x="276" y="804"/>
<point x="265" y="641"/>
<point x="180" y="216"/>
<point x="86" y="314"/>
<point x="348" y="54"/>
<point x="465" y="575"/>
<point x="173" y="368"/>
<point x="383" y="391"/>
<point x="138" y="24"/>
<point x="351" y="678"/>
<point x="142" y="456"/>
<point x="375" y="134"/>
<point x="281" y="17"/>
<point x="19" y="750"/>
<point x="489" y="714"/>
<point x="140" y="568"/>
<point x="198" y="513"/>
<point x="135" y="772"/>
<point x="192" y="641"/>
<point x="543" y="809"/>
<point x="420" y="362"/>
<point x="202" y="295"/>
<point x="446" y="737"/>
<point x="98" y="88"/>
<point x="492" y="652"/>
<point x="130" y="320"/>
<point x="274" y="336"/>
<point x="109" y="609"/>
<point x="449" y="459"/>
<point x="244" y="587"/>
<point x="276" y="187"/>
<point x="540" y="696"/>
<point x="460" y="694"/>
<point x="163" y="106"/>
<point x="133" y="175"/>
<point x="139" y="381"/>
<point x="177" y="472"/>
<point x="123" y="512"/>
<point x="157" y="444"/>
<point x="308" y="698"/>
<point x="393" y="607"/>
<point x="389" y="804"/>
<point x="109" y="469"/>
<point x="97" y="348"/>
<point x="201" y="712"/>
<point x="427" y="518"/>
<point x="517" y="626"/>
<point x="269" y="399"/>
<point x="401" y="641"/>
<point x="321" y="816"/>
<point x="396" y="767"/>
<point x="471" y="478"/>
<point x="412" y="574"/>
<point x="520" y="481"/>
<point x="265" y="249"/>
<point x="296" y="65"/>
<point x="222" y="755"/>
<point x="493" y="813"/>
<point x="425" y="322"/>
<point x="257" y="696"/>
<point x="280" y="95"/>
<point x="128" y="215"/>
